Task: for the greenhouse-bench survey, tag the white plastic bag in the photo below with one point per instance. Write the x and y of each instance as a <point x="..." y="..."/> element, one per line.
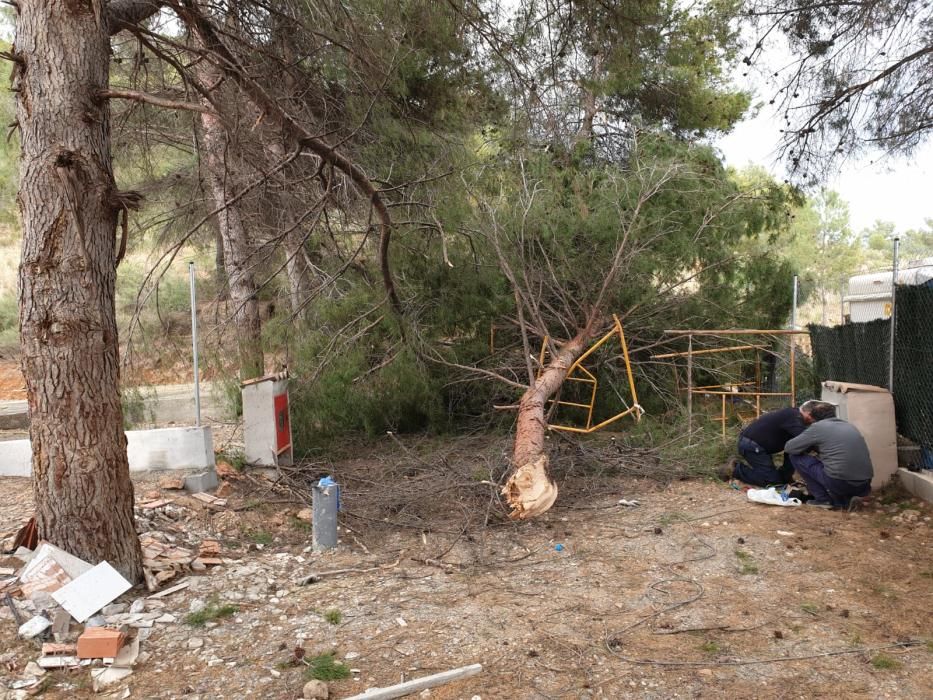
<point x="771" y="497"/>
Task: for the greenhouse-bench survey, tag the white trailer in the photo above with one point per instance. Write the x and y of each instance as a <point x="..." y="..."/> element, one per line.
<point x="869" y="294"/>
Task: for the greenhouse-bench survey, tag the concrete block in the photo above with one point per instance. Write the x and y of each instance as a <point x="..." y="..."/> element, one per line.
<point x="920" y="484"/>
<point x="170" y="448"/>
<point x="202" y="481"/>
<point x="14" y="415"/>
<point x="164" y="448"/>
<point x="15" y="458"/>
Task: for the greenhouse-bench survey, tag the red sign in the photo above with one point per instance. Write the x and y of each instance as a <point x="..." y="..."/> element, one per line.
<point x="283" y="431"/>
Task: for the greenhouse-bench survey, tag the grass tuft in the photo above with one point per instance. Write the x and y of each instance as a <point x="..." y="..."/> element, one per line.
<point x="325" y="668"/>
<point x="747" y="565"/>
<point x="333" y="616"/>
<point x="214" y="610"/>
<point x="885" y="662"/>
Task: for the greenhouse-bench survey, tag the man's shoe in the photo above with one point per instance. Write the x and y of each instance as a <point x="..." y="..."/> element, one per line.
<point x="725" y="471"/>
<point x="856" y="503"/>
<point x="825" y="505"/>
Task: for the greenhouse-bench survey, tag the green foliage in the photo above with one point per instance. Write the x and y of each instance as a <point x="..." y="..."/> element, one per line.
<point x="325" y="668"/>
<point x="333" y="616"/>
<point x="9" y="322"/>
<point x="263" y="537"/>
<point x="747" y="563"/>
<point x="235" y="458"/>
<point x="135" y="411"/>
<point x="9" y="152"/>
<point x="885" y="662"/>
<point x="214" y="610"/>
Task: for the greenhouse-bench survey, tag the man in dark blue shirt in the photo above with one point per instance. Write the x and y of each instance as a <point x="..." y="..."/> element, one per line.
<point x="764" y="437"/>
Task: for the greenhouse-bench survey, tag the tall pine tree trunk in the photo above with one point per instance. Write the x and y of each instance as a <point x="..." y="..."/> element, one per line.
<point x="236" y="251"/>
<point x="297" y="270"/>
<point x="69" y="209"/>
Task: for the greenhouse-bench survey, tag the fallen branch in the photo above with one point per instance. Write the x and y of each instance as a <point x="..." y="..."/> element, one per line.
<point x="409" y="687"/>
<point x="718" y="628"/>
<point x="436" y="562"/>
<point x="314" y="578"/>
<point x="772" y="660"/>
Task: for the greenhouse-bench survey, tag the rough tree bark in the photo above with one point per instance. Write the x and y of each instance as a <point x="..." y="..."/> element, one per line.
<point x="69" y="207"/>
<point x="530" y="490"/>
<point x="236" y="251"/>
<point x="296" y="269"/>
<point x="235" y="240"/>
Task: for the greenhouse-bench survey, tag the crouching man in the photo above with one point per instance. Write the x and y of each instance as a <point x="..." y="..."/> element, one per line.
<point x="766" y="436"/>
<point x="839" y="473"/>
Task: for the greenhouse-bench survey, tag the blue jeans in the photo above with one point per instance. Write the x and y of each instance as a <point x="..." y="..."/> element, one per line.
<point x="760" y="469"/>
<point x="825" y="488"/>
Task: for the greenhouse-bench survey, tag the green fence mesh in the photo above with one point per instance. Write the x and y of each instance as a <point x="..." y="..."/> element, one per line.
<point x="859" y="352"/>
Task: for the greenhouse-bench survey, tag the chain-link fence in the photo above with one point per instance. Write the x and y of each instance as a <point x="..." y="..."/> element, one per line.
<point x="860" y="353"/>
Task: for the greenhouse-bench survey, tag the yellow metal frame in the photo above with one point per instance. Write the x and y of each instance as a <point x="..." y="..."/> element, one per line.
<point x="707" y="391"/>
<point x="589" y="378"/>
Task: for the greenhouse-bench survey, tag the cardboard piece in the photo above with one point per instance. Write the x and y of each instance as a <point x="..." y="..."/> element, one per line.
<point x="91" y="591"/>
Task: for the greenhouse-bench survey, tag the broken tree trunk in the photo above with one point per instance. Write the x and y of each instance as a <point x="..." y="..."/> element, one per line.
<point x="530" y="491"/>
<point x="69" y="206"/>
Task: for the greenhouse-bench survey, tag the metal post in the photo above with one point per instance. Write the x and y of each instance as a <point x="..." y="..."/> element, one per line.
<point x="793" y="326"/>
<point x="723" y="417"/>
<point x="842" y="302"/>
<point x="893" y="315"/>
<point x="690" y="389"/>
<point x="194" y="346"/>
<point x="325" y="502"/>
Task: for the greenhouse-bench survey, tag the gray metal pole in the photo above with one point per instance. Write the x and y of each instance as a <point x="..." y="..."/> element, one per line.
<point x="893" y="314"/>
<point x="194" y="346"/>
<point x="842" y="301"/>
<point x="793" y="310"/>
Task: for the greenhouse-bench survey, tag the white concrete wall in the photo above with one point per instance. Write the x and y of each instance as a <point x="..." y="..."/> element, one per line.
<point x="163" y="448"/>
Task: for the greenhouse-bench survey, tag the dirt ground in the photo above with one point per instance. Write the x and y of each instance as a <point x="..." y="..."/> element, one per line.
<point x="693" y="593"/>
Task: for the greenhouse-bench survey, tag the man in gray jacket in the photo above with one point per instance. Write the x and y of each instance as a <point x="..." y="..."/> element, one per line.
<point x="839" y="474"/>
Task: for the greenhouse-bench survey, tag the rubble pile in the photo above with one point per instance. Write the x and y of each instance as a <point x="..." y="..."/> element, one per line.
<point x="83" y="615"/>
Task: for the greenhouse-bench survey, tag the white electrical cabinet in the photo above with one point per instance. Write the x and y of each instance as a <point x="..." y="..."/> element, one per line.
<point x="266" y="421"/>
<point x="871" y="410"/>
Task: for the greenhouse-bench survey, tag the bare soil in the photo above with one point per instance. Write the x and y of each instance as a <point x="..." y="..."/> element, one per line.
<point x="693" y="593"/>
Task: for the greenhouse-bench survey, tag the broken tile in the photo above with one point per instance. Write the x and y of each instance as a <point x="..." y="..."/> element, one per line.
<point x="169" y="591"/>
<point x="210" y="500"/>
<point x="172" y="483"/>
<point x="91" y="591"/>
<point x="72" y="565"/>
<point x="102" y="677"/>
<point x="158" y="503"/>
<point x="52" y="649"/>
<point x="61" y="624"/>
<point x="42" y="576"/>
<point x="209" y="548"/>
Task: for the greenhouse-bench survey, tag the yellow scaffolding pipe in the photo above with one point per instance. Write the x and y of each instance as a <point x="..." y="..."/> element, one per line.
<point x="636" y="409"/>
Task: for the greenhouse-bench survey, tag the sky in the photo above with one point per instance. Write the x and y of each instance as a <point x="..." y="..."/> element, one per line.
<point x="897" y="190"/>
